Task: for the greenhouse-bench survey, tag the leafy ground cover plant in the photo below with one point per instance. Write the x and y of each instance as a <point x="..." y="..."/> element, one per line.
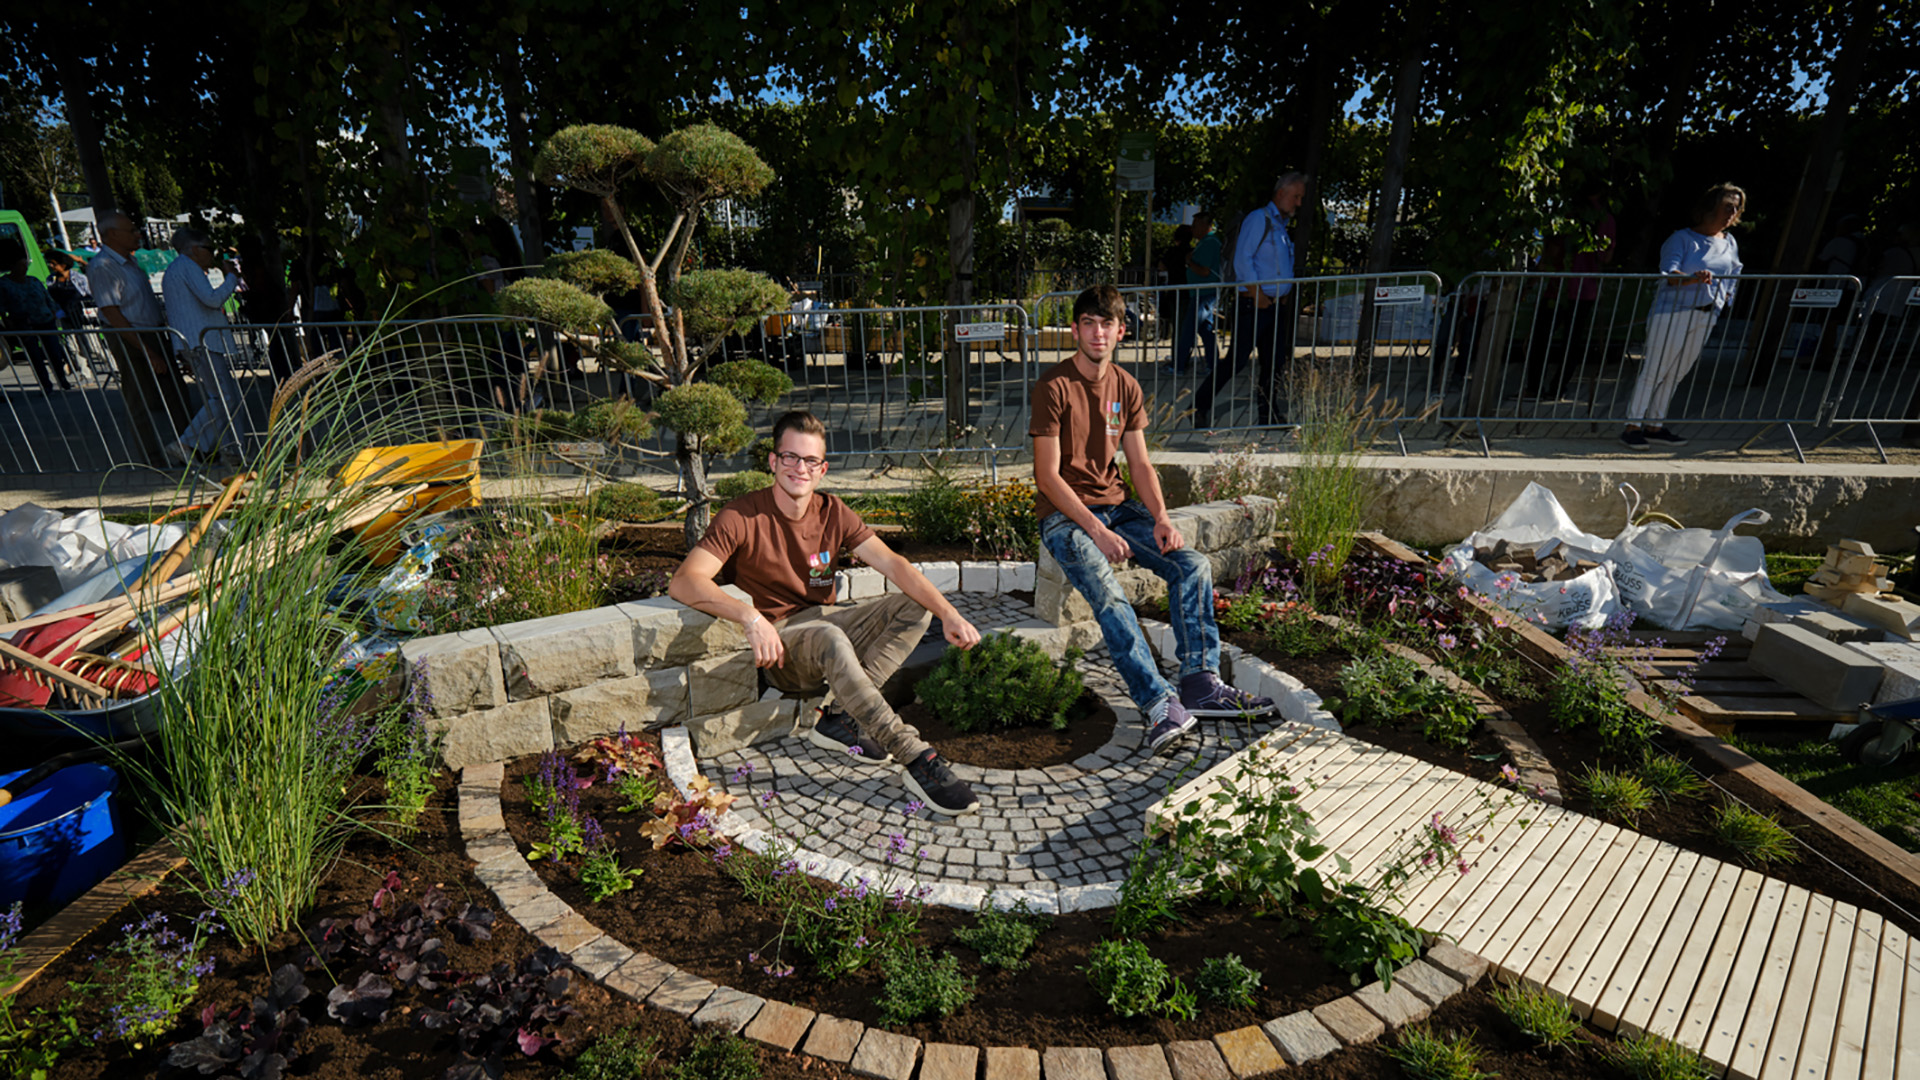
<point x="1759" y="838"/>
<point x="1005" y="681"/>
<point x="1669" y="777"/>
<point x="718" y="1056"/>
<point x="1227" y="980"/>
<point x="402" y="942"/>
<point x="1428" y="1056"/>
<point x="408" y="752"/>
<point x="917" y="985"/>
<point x="1003" y="936"/>
<point x="1389" y="689"/>
<point x="1133" y="981"/>
<point x="150" y="975"/>
<point x="1537" y="1014"/>
<point x="30" y="1045"/>
<point x="251" y="1043"/>
<point x="601" y="873"/>
<point x="510" y="1008"/>
<point x="1250" y="842"/>
<point x="1617" y="795"/>
<point x="1650" y="1057"/>
<point x="617" y="1055"/>
<point x="1152" y="893"/>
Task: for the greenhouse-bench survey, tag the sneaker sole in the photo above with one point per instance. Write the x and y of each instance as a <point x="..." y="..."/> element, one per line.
<point x="825" y="743"/>
<point x="1227" y="714"/>
<point x="1175" y="739"/>
<point x="906" y="778"/>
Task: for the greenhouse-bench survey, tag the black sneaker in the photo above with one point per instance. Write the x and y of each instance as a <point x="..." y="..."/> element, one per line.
<point x="1634" y="440"/>
<point x="1205" y="695"/>
<point x="934" y="784"/>
<point x="1167" y="723"/>
<point x="836" y="732"/>
<point x="1663" y="436"/>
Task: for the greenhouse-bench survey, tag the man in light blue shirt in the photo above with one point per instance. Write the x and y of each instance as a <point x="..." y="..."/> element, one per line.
<point x="1262" y="252"/>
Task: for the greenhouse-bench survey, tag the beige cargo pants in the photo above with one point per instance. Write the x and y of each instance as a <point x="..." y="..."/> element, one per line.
<point x="854" y="650"/>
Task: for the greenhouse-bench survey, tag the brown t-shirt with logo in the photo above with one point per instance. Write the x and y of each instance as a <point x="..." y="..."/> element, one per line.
<point x="1089" y="416"/>
<point x="783" y="564"/>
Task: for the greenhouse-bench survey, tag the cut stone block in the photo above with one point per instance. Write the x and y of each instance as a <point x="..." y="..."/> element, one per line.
<point x="1833" y="676"/>
<point x="979" y="577"/>
<point x="737" y="729"/>
<point x="944" y="576"/>
<point x="1900" y="668"/>
<point x="1427" y="982"/>
<point x="668" y="632"/>
<point x="462" y="671"/>
<point x="1895" y="616"/>
<point x="859" y="583"/>
<point x="1300" y="1037"/>
<point x="1016" y="577"/>
<point x="562" y="652"/>
<point x="1349" y="1021"/>
<point x="886" y="1055"/>
<point x="652" y="699"/>
<point x="1072" y="1063"/>
<point x="1457" y="962"/>
<point x="598" y="958"/>
<point x="1196" y="1061"/>
<point x="1137" y="1063"/>
<point x="1012" y="1063"/>
<point x="640" y="976"/>
<point x="1837" y="626"/>
<point x="728" y="1008"/>
<point x="779" y="1025"/>
<point x="682" y="994"/>
<point x="834" y="1039"/>
<point x="1248" y="1051"/>
<point x="718" y="683"/>
<point x="524" y="727"/>
<point x="569" y="933"/>
<point x="1396" y="1007"/>
<point x="945" y="1061"/>
<point x="24" y="589"/>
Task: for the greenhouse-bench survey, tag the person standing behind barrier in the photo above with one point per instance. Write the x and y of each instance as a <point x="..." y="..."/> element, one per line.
<point x="1197" y="307"/>
<point x="196" y="312"/>
<point x="1173" y="267"/>
<point x="126" y="303"/>
<point x="31" y="314"/>
<point x="1262" y="252"/>
<point x="1700" y="263"/>
<point x="73" y="317"/>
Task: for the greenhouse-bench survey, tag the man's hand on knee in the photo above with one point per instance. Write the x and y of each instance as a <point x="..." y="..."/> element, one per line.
<point x="1111" y="544"/>
<point x="1167" y="535"/>
<point x="767" y="649"/>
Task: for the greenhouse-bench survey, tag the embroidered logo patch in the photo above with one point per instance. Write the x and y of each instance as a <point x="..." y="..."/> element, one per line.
<point x="1113" y="418"/>
<point x="820" y="570"/>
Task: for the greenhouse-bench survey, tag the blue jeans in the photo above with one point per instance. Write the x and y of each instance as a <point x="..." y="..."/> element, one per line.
<point x="1189" y="578"/>
<point x="1195" y="317"/>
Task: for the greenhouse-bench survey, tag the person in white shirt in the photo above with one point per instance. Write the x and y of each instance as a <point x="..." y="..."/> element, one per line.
<point x="196" y="313"/>
<point x="156" y="398"/>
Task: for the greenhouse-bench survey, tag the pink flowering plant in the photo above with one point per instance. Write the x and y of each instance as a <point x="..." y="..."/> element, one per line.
<point x="516" y="563"/>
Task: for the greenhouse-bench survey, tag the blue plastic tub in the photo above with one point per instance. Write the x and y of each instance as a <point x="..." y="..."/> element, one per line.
<point x="59" y="839"/>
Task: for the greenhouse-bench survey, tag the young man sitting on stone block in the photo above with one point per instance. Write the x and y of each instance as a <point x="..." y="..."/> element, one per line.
<point x="779" y="545"/>
<point x="1085" y="409"/>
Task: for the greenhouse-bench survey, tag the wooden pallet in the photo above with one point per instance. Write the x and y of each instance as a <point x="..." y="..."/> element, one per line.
<point x="1727" y="695"/>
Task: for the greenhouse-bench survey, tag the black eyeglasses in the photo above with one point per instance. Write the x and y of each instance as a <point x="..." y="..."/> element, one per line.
<point x="789" y="460"/>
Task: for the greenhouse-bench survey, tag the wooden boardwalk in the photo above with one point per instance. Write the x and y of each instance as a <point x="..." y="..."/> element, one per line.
<point x="1766" y="980"/>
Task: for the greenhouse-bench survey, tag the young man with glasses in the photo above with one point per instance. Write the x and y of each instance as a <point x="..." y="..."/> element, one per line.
<point x="779" y="545"/>
<point x="1085" y="410"/>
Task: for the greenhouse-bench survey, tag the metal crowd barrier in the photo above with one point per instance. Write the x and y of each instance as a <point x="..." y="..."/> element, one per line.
<point x="86" y="401"/>
<point x="1263" y="366"/>
<point x="1537" y="353"/>
<point x="1880" y="386"/>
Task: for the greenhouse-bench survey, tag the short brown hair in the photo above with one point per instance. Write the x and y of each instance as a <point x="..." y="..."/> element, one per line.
<point x="1710" y="200"/>
<point x="1099" y="300"/>
<point x="799" y="420"/>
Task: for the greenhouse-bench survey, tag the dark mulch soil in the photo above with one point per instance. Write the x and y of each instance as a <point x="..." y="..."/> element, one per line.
<point x="1828" y="868"/>
<point x="1089" y="726"/>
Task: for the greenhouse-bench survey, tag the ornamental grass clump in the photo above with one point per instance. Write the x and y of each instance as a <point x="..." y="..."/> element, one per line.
<point x="1426" y="1056"/>
<point x="1758" y="838"/>
<point x="1005" y="681"/>
<point x="1540" y="1016"/>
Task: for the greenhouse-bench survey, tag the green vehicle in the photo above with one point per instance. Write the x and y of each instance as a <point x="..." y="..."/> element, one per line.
<point x="13" y="226"/>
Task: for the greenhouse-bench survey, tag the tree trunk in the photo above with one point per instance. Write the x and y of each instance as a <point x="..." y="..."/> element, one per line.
<point x="1406" y="108"/>
<point x="693" y="466"/>
<point x="960" y="219"/>
<point x="1319" y="116"/>
<point x="520" y="155"/>
<point x="74" y="87"/>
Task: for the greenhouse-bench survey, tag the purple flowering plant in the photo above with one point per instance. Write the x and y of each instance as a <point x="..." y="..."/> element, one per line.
<point x="149" y="976"/>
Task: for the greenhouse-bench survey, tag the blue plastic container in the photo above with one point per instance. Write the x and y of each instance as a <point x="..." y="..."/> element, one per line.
<point x="59" y="839"/>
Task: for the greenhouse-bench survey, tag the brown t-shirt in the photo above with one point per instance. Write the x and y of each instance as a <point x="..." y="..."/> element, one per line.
<point x="1089" y="416"/>
<point x="783" y="564"/>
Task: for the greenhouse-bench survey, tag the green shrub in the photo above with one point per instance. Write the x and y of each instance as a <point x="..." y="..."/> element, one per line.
<point x="1650" y="1057"/>
<point x="1152" y="893"/>
<point x="716" y="303"/>
<point x="596" y="270"/>
<point x="1617" y="795"/>
<point x="1003" y="937"/>
<point x="626" y="502"/>
<point x="1133" y="981"/>
<point x="1759" y="838"/>
<point x="751" y="380"/>
<point x="718" y="1056"/>
<point x="1365" y="940"/>
<point x="1596" y="693"/>
<point x="709" y="413"/>
<point x="1539" y="1015"/>
<point x="997" y="519"/>
<point x="619" y="1055"/>
<point x="1388" y="689"/>
<point x="1005" y="681"/>
<point x="741" y="483"/>
<point x="1294" y="633"/>
<point x="555" y="302"/>
<point x="1227" y="981"/>
<point x="919" y="986"/>
<point x="1427" y="1056"/>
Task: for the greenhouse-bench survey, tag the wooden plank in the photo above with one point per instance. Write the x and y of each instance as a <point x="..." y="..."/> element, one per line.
<point x="1753" y="988"/>
<point x="1450" y="889"/>
<point x="1590" y="916"/>
<point x="1892" y="985"/>
<point x="1770" y="1041"/>
<point x="1623" y="955"/>
<point x="1850" y="1033"/>
<point x="1376" y="831"/>
<point x="1682" y="953"/>
<point x="1908" y="1063"/>
<point x="1518" y="864"/>
<point x="1357" y="798"/>
<point x="1686" y="1019"/>
<point x="1590" y="953"/>
<point x="1535" y="909"/>
<point x="1815" y="1038"/>
<point x="1594" y="867"/>
<point x="1762" y="708"/>
<point x="1420" y="899"/>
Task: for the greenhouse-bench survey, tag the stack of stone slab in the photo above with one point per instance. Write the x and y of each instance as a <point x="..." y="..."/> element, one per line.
<point x="1865" y="653"/>
<point x="1234" y="535"/>
<point x="1850" y="569"/>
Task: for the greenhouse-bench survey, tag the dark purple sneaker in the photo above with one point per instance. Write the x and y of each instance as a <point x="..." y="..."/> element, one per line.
<point x="1204" y="694"/>
<point x="835" y="731"/>
<point x="1167" y="724"/>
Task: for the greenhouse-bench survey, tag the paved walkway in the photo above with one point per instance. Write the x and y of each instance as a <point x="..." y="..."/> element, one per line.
<point x="1767" y="980"/>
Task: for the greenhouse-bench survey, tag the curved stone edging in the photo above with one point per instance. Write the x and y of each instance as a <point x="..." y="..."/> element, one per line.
<point x="1299" y="1037"/>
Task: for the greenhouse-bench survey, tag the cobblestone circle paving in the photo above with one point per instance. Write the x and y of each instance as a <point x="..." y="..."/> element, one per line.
<point x="1058" y="837"/>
